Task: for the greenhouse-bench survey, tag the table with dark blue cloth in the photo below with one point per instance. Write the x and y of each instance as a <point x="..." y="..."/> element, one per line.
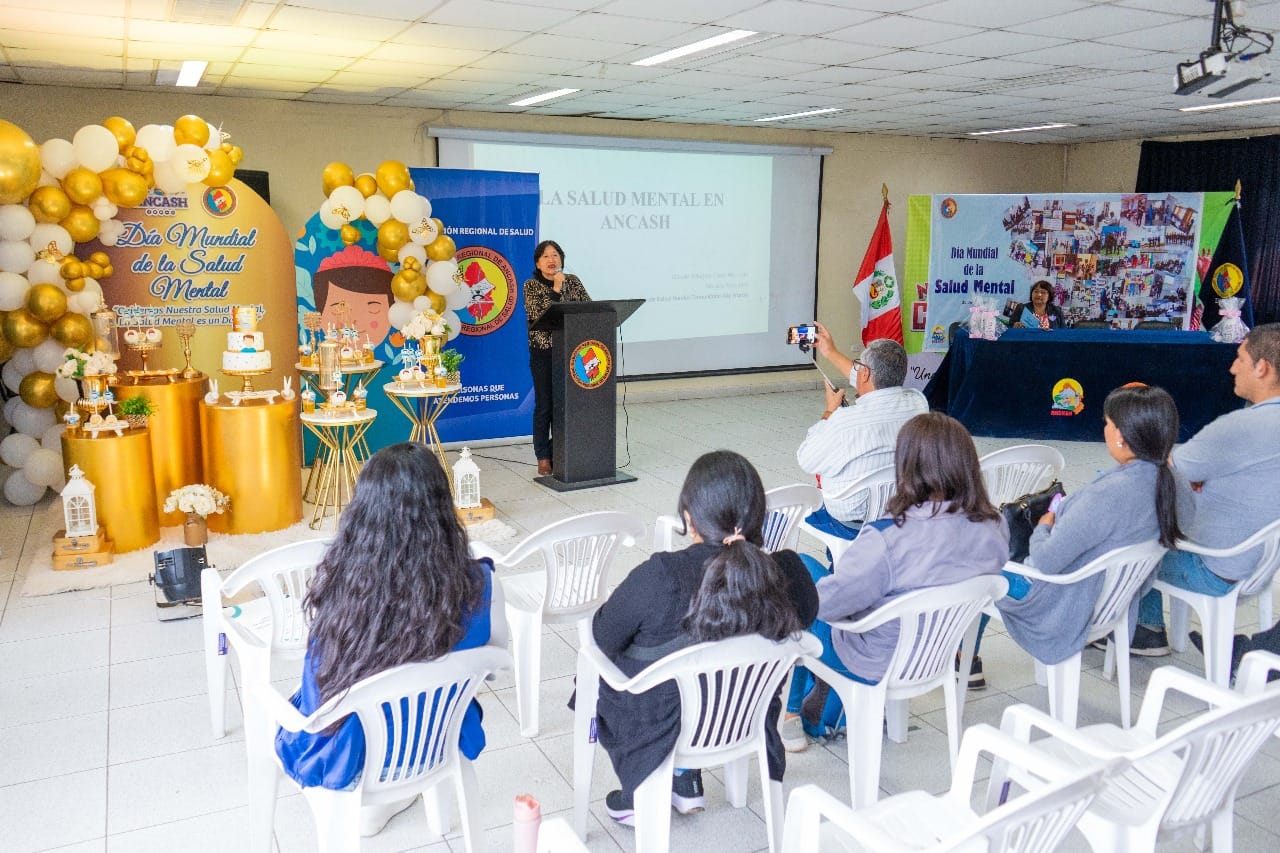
<point x="1006" y="387"/>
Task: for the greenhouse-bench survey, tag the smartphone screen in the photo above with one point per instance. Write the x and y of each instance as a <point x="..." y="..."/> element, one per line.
<point x="802" y="334"/>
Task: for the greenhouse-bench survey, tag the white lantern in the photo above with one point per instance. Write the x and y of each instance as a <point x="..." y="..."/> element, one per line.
<point x="80" y="512"/>
<point x="466" y="481"/>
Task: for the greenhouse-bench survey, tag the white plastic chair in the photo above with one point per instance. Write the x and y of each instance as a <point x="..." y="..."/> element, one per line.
<point x="556" y="836"/>
<point x="725" y="690"/>
<point x="263" y="631"/>
<point x="1175" y="784"/>
<point x="785" y="507"/>
<point x="1126" y="569"/>
<point x="1015" y="471"/>
<point x="576" y="554"/>
<point x="931" y="624"/>
<point x="411" y="716"/>
<point x="878" y="486"/>
<point x="919" y="821"/>
<point x="1218" y="613"/>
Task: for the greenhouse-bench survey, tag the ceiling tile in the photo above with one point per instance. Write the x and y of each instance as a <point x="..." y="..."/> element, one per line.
<point x="1093" y="22"/>
<point x="1004" y="13"/>
<point x="791" y="17"/>
<point x="287" y="42"/>
<point x="179" y="52"/>
<point x="400" y="10"/>
<point x="901" y="31"/>
<point x="701" y="12"/>
<point x="996" y="44"/>
<point x="484" y="13"/>
<point x="192" y="35"/>
<point x="334" y="24"/>
<point x="569" y="48"/>
<point x="821" y="51"/>
<point x="639" y="30"/>
<point x="468" y="38"/>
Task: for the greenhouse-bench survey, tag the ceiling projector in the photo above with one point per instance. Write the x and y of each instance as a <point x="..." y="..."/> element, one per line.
<point x="1234" y="50"/>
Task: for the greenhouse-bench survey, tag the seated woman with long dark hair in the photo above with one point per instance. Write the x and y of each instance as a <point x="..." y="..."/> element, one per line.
<point x="397" y="585"/>
<point x="1142" y="498"/>
<point x="940" y="528"/>
<point x="723" y="585"/>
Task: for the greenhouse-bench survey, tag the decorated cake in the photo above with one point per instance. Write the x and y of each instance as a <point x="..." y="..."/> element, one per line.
<point x="245" y="347"/>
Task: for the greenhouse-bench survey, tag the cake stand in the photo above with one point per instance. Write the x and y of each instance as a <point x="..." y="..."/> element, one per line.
<point x="144" y="349"/>
<point x="247" y="377"/>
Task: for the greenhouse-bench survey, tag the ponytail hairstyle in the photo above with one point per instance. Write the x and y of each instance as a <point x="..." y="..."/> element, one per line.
<point x="743" y="591"/>
<point x="1147" y="419"/>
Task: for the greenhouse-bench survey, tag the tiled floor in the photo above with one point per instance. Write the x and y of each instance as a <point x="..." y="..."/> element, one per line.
<point x="104" y="732"/>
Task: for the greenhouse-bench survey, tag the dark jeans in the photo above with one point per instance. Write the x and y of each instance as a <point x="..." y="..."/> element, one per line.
<point x="540" y="369"/>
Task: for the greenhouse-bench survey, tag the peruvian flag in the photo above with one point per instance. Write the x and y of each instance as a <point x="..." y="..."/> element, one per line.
<point x="877" y="286"/>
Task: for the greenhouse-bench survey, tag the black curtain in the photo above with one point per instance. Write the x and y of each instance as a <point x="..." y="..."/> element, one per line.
<point x="1216" y="165"/>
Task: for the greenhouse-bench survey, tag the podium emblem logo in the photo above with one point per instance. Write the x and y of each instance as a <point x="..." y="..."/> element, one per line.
<point x="491" y="288"/>
<point x="590" y="365"/>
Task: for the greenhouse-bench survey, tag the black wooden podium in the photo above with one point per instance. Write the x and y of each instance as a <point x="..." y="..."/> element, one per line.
<point x="584" y="377"/>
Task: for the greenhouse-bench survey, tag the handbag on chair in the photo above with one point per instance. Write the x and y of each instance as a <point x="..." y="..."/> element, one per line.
<point x="1022" y="514"/>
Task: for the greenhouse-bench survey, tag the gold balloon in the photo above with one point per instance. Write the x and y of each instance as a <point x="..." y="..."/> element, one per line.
<point x="23" y="329"/>
<point x="441" y="249"/>
<point x="405" y="290"/>
<point x="122" y="130"/>
<point x="82" y="186"/>
<point x="71" y="268"/>
<point x="191" y="130"/>
<point x="411" y="264"/>
<point x="392" y="176"/>
<point x="36" y="390"/>
<point x="236" y="155"/>
<point x="388" y="253"/>
<point x="81" y="224"/>
<point x="46" y="302"/>
<point x="6" y="349"/>
<point x="221" y="169"/>
<point x="49" y="204"/>
<point x="393" y="234"/>
<point x="71" y="329"/>
<point x="367" y="184"/>
<point x="138" y="160"/>
<point x="336" y="175"/>
<point x="75" y="285"/>
<point x="437" y="302"/>
<point x="350" y="235"/>
<point x="19" y="164"/>
<point x="124" y="188"/>
<point x="100" y="258"/>
<point x="409" y="274"/>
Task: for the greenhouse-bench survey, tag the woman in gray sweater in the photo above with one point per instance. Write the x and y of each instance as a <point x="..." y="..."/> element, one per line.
<point x="1142" y="498"/>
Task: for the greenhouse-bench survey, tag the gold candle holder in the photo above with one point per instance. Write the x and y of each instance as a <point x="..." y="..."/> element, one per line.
<point x="186" y="331"/>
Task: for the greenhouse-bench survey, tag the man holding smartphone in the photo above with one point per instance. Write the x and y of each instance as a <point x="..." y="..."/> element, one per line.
<point x="850" y="442"/>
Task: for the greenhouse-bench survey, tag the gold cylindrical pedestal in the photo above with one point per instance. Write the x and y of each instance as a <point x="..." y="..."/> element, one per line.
<point x="119" y="466"/>
<point x="175" y="432"/>
<point x="253" y="454"/>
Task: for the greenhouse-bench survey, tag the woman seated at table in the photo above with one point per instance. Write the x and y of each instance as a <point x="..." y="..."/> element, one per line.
<point x="1142" y="498"/>
<point x="1040" y="312"/>
<point x="939" y="528"/>
<point x="398" y="585"/>
<point x="721" y="586"/>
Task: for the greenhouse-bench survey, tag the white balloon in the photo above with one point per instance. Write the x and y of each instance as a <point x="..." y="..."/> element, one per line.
<point x="458" y="299"/>
<point x="412" y="250"/>
<point x="11" y="406"/>
<point x="442" y="277"/>
<point x="67" y="389"/>
<point x="406" y="206"/>
<point x="104" y="208"/>
<point x="157" y="139"/>
<point x="95" y="147"/>
<point x="13" y="291"/>
<point x="24" y="358"/>
<point x="43" y="272"/>
<point x="328" y="218"/>
<point x="46" y="179"/>
<point x="454" y="324"/>
<point x="31" y="421"/>
<point x="87" y="300"/>
<point x="191" y="162"/>
<point x="168" y="179"/>
<point x="20" y="491"/>
<point x="14" y="449"/>
<point x="12" y="377"/>
<point x="16" y="222"/>
<point x="109" y="232"/>
<point x="57" y="157"/>
<point x="47" y="232"/>
<point x="215" y="138"/>
<point x="44" y="468"/>
<point x="377" y="209"/>
<point x="52" y="438"/>
<point x="346" y="202"/>
<point x="400" y="314"/>
<point x="16" y="255"/>
<point x="48" y="355"/>
<point x="424" y="231"/>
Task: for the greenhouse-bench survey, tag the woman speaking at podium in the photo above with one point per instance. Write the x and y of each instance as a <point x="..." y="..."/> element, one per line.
<point x="549" y="285"/>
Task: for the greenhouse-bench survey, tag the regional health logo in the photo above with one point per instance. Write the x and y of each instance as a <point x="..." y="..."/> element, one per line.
<point x="218" y="202"/>
<point x="1227" y="280"/>
<point x="948" y="207"/>
<point x="590" y="365"/>
<point x="1068" y="398"/>
<point x="490" y="283"/>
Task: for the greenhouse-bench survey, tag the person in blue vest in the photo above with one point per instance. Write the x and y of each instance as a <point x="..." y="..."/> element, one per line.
<point x="398" y="585"/>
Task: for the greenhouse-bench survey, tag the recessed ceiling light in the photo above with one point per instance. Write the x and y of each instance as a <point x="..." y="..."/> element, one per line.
<point x="545" y="96"/>
<point x="192" y="71"/>
<point x="1020" y="129"/>
<point x="799" y="115"/>
<point x="1228" y="105"/>
<point x="705" y="44"/>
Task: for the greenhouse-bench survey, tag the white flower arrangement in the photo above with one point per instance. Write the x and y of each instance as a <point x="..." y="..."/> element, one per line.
<point x="425" y="323"/>
<point x="80" y="364"/>
<point x="201" y="499"/>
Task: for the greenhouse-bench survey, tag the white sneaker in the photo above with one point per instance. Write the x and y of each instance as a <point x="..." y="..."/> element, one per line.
<point x="791" y="729"/>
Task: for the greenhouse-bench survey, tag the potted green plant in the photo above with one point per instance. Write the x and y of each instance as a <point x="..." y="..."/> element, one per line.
<point x="450" y="359"/>
<point x="136" y="410"/>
